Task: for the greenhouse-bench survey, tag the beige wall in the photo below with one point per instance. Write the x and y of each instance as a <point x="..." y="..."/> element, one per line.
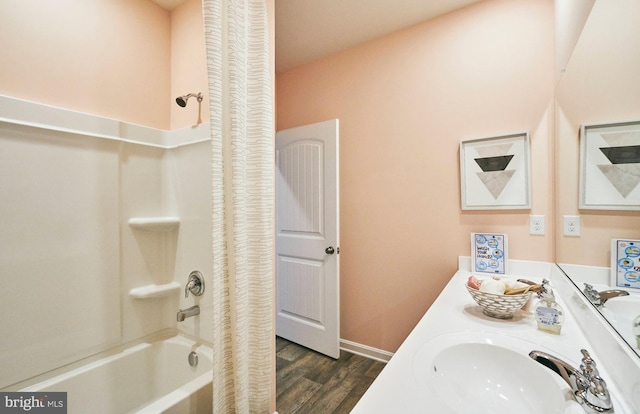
<point x="600" y="84"/>
<point x="404" y="103"/>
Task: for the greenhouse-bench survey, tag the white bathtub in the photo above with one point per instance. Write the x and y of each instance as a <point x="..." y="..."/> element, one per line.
<point x="150" y="377"/>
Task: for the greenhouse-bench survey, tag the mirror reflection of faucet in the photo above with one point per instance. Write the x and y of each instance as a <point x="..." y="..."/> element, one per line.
<point x="636" y="330"/>
<point x="599" y="298"/>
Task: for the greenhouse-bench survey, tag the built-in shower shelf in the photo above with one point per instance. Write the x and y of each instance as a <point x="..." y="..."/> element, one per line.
<point x="155" y="291"/>
<point x="155" y="223"/>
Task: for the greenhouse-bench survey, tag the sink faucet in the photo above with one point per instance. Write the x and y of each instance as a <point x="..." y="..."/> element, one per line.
<point x="187" y="313"/>
<point x="599" y="298"/>
<point x="588" y="387"/>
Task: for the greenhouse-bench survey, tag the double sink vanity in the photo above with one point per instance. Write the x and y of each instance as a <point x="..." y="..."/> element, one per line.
<point x="459" y="360"/>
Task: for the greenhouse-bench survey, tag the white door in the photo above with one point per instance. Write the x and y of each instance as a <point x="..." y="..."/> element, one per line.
<point x="307" y="237"/>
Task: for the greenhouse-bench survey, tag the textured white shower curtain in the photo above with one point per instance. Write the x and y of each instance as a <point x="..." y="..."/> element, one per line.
<point x="242" y="132"/>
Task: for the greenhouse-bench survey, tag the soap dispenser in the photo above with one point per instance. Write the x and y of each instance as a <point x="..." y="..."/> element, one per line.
<point x="548" y="313"/>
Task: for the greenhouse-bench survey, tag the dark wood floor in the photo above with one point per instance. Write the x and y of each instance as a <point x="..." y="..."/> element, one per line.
<point x="308" y="382"/>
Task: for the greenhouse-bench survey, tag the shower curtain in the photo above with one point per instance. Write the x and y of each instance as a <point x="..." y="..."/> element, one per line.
<point x="242" y="133"/>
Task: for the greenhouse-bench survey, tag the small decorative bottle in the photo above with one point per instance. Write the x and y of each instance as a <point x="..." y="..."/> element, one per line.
<point x="548" y="312"/>
<point x="636" y="330"/>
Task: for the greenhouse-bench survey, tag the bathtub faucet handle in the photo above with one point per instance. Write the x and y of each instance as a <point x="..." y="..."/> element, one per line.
<point x="189" y="286"/>
<point x="195" y="284"/>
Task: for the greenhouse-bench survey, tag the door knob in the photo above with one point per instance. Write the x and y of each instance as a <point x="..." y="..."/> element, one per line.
<point x="329" y="250"/>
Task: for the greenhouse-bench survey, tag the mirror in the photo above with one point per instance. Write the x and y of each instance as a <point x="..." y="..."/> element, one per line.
<point x="600" y="84"/>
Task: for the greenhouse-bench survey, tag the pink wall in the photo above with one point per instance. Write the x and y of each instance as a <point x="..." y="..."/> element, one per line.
<point x="105" y="57"/>
<point x="188" y="64"/>
<point x="570" y="16"/>
<point x="404" y="103"/>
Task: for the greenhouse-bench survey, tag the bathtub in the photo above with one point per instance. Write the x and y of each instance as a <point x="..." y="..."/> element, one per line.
<point x="149" y="377"/>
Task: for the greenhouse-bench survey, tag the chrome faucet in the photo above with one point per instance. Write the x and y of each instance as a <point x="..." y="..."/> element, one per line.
<point x="187" y="313"/>
<point x="599" y="298"/>
<point x="588" y="387"/>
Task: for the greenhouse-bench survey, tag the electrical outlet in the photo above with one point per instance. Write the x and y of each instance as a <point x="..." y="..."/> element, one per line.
<point x="571" y="225"/>
<point x="536" y="224"/>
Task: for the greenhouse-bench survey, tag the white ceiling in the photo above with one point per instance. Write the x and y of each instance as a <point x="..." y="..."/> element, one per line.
<point x="307" y="30"/>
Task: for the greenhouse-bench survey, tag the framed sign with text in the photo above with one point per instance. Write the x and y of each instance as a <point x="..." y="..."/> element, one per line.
<point x="489" y="253"/>
<point x="625" y="263"/>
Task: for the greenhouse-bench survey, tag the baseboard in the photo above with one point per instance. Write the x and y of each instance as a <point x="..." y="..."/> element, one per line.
<point x="365" y="351"/>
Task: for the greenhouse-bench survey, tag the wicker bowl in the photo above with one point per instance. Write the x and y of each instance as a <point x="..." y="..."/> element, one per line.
<point x="499" y="306"/>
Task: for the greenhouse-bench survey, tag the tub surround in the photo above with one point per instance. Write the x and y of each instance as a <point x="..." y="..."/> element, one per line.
<point x="153" y="291"/>
<point x="36" y="115"/>
<point x="105" y="217"/>
<point x="398" y="389"/>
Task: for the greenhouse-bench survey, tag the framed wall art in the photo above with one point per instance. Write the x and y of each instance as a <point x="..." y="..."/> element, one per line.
<point x="610" y="166"/>
<point x="495" y="173"/>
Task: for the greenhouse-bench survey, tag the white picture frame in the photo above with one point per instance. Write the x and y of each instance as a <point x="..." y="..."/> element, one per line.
<point x="495" y="173"/>
<point x="489" y="253"/>
<point x="610" y="166"/>
<point x="625" y="263"/>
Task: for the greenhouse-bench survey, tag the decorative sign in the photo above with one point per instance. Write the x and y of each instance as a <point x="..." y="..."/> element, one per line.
<point x="489" y="253"/>
<point x="625" y="263"/>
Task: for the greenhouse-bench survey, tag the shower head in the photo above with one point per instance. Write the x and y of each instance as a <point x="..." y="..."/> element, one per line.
<point x="182" y="100"/>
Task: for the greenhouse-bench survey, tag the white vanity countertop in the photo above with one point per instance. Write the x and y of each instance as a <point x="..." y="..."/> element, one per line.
<point x="454" y="311"/>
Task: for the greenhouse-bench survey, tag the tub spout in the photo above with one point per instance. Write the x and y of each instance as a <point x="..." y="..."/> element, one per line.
<point x="588" y="387"/>
<point x="187" y="313"/>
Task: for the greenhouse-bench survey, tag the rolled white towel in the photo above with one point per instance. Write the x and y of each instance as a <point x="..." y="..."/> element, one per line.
<point x="497" y="287"/>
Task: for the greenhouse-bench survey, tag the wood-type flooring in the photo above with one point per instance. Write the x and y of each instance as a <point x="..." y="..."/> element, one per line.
<point x="308" y="382"/>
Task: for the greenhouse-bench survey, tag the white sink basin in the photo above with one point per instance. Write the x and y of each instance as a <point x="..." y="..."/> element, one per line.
<point x="623" y="307"/>
<point x="487" y="373"/>
<point x="620" y="312"/>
